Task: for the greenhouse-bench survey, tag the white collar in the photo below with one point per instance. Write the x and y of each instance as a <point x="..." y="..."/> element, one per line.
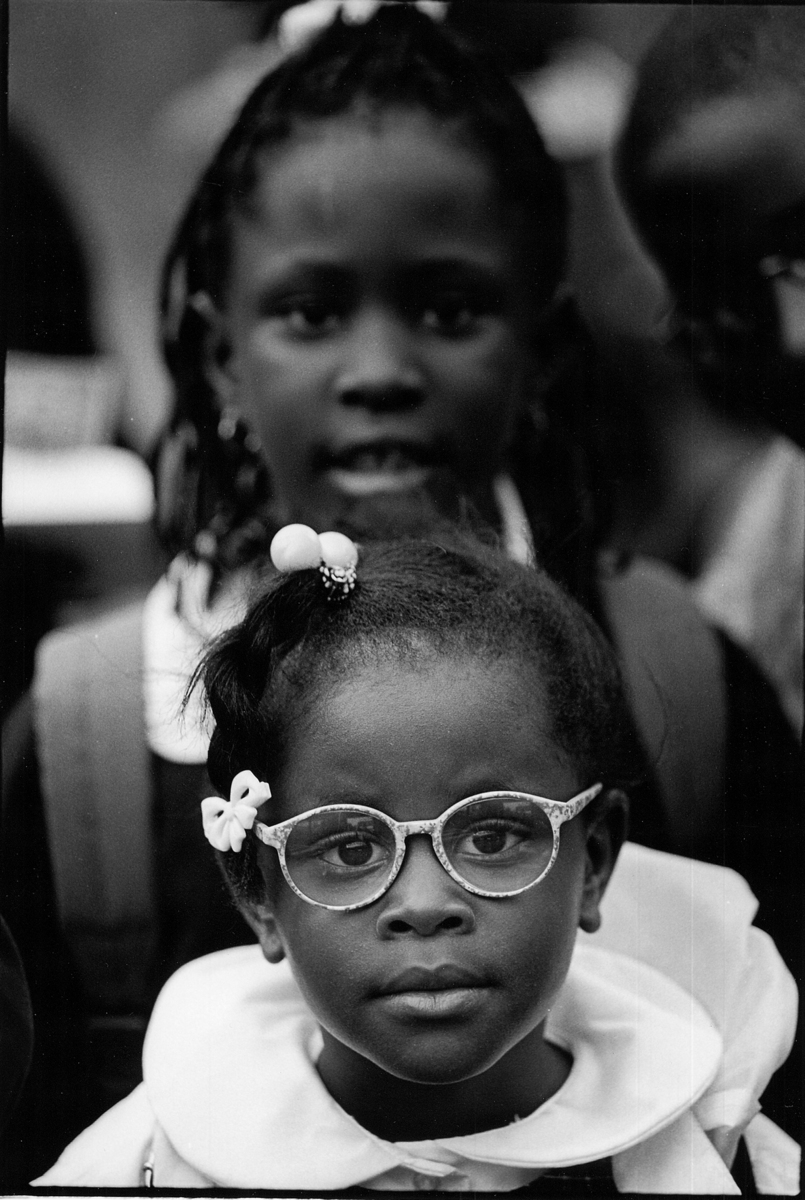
<point x="178" y="624"/>
<point x="643" y="1052"/>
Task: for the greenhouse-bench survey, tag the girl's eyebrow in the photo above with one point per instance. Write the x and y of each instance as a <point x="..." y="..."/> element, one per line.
<point x="474" y="260"/>
<point x="344" y="796"/>
<point x="295" y="274"/>
<point x="473" y="269"/>
<point x="292" y="269"/>
<point x="325" y="263"/>
<point x="278" y="283"/>
<point x="356" y="796"/>
<point x="489" y="786"/>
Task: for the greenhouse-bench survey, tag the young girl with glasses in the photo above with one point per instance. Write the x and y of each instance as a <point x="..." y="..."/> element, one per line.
<point x="361" y="309"/>
<point x="425" y="759"/>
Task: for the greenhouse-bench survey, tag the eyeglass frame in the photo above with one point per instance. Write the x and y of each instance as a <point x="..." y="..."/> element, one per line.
<point x="557" y="812"/>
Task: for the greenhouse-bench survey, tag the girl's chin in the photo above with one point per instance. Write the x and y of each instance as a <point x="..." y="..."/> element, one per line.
<point x="411" y="503"/>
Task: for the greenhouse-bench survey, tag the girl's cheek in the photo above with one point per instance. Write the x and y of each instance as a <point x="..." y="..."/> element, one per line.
<point x="273" y="879"/>
<point x="491" y="366"/>
<point x="290" y="379"/>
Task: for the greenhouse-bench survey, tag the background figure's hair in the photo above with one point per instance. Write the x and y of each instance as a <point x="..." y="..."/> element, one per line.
<point x="712" y="166"/>
<point x="400" y="58"/>
<point x="448" y="595"/>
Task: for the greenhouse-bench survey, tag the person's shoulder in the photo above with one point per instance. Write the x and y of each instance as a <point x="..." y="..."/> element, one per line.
<point x="107" y="644"/>
<point x="673" y="669"/>
<point x="645" y="587"/>
<point x="109" y="1153"/>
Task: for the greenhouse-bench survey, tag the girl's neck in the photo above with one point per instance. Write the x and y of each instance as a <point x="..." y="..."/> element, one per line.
<point x="398" y="1110"/>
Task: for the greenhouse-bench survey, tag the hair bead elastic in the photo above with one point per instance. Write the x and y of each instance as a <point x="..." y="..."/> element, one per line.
<point x="300" y="548"/>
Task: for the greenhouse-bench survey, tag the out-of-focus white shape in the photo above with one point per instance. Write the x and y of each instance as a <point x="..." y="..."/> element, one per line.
<point x="752" y="580"/>
<point x="579" y="101"/>
<point x="85" y="485"/>
<point x="299" y="24"/>
<point x="790" y="297"/>
<point x="53" y="402"/>
<point x="199" y="115"/>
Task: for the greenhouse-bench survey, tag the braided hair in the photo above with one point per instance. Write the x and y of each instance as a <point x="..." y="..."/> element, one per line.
<point x="399" y="58"/>
<point x="448" y="594"/>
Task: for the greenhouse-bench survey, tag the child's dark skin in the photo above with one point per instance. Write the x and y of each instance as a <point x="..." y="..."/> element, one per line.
<point x="460" y="1047"/>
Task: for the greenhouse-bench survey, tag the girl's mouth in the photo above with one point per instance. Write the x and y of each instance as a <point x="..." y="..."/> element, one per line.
<point x="376" y="467"/>
<point x="445" y="1003"/>
<point x="445" y="991"/>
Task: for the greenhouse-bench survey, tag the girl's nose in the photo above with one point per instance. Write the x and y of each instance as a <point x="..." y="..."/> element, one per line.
<point x="379" y="371"/>
<point x="424" y="900"/>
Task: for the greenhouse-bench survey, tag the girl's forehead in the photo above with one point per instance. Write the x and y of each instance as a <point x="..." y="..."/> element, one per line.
<point x="327" y="167"/>
<point x="436" y="726"/>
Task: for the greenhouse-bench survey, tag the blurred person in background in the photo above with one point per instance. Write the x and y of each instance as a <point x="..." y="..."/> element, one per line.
<point x="712" y="163"/>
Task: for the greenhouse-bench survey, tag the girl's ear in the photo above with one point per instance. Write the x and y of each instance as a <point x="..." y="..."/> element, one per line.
<point x="606" y="834"/>
<point x="261" y="920"/>
<point x="215" y="347"/>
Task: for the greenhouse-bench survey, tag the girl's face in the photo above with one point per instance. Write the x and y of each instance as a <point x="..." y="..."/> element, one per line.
<point x="375" y="326"/>
<point x="411" y="742"/>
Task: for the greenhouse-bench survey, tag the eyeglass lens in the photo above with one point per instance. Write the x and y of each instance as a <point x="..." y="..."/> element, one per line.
<point x="344" y="857"/>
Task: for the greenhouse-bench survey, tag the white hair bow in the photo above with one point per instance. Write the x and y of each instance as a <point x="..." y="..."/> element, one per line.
<point x="299" y="24"/>
<point x="226" y="821"/>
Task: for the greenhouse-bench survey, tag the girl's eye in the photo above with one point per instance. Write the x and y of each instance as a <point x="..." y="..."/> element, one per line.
<point x="308" y="316"/>
<point x="351" y="851"/>
<point x="452" y="314"/>
<point x="492" y="837"/>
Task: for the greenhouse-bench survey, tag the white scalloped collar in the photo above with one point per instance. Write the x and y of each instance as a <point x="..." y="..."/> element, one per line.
<point x="643" y="1052"/>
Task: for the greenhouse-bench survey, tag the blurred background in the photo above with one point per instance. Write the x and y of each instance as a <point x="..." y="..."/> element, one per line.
<point x="115" y="108"/>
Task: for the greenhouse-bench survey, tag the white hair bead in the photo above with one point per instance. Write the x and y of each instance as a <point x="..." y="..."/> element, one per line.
<point x="296" y="548"/>
<point x="300" y="23"/>
<point x="337" y="550"/>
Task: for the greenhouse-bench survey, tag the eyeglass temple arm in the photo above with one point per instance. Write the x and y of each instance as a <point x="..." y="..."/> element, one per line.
<point x="571" y="808"/>
<point x="266" y="836"/>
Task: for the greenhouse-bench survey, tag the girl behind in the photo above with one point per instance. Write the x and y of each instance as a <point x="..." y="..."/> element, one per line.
<point x="353" y="302"/>
<point x="426" y="770"/>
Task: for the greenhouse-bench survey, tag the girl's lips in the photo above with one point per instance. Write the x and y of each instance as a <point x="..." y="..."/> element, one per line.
<point x="370" y="483"/>
<point x="440" y="992"/>
<point x="441" y="1004"/>
<point x="387" y="465"/>
<point x="439" y="978"/>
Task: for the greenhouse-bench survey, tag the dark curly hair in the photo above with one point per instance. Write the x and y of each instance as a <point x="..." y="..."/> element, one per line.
<point x="400" y="58"/>
<point x="451" y="595"/>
